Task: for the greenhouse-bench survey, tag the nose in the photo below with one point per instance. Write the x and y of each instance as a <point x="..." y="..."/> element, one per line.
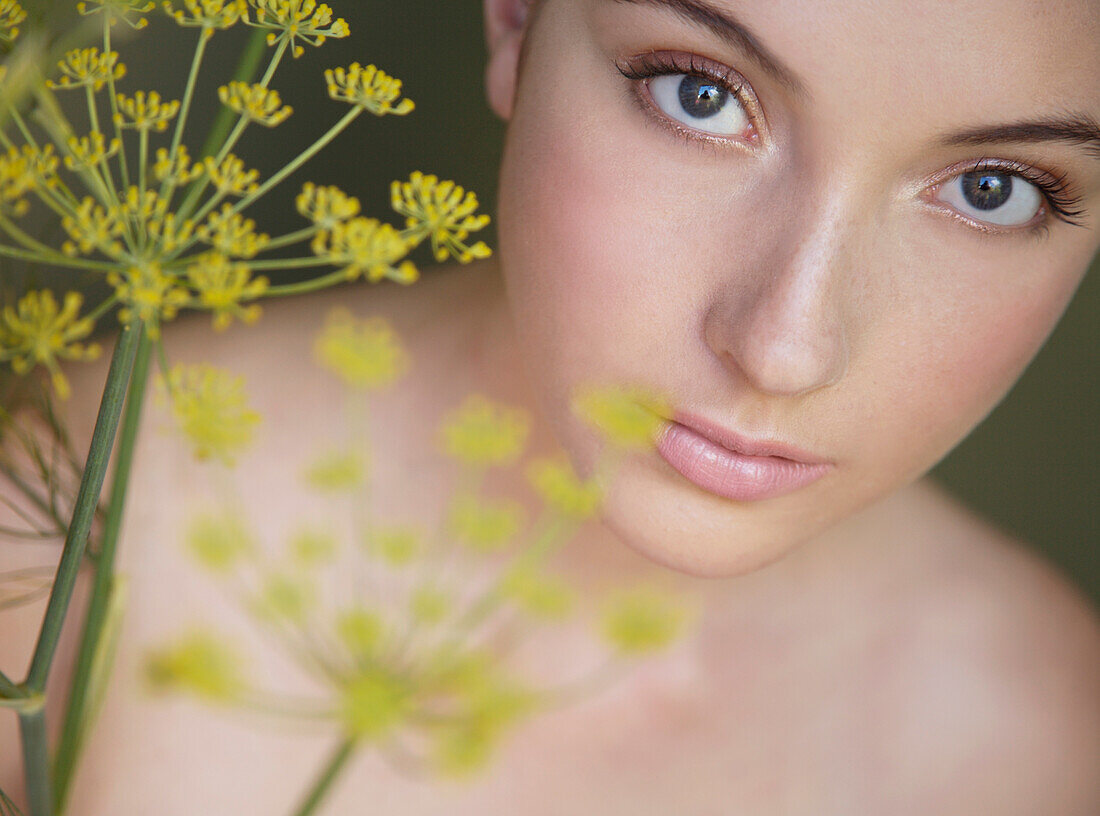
<point x="780" y="320"/>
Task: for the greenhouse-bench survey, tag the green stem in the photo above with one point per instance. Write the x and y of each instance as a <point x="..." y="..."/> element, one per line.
<point x="247" y="67"/>
<point x="291" y="238"/>
<point x="311" y="285"/>
<point x="91" y="483"/>
<point x="291" y="263"/>
<point x="308" y="154"/>
<point x="54" y="259"/>
<point x="36" y="762"/>
<point x="189" y="92"/>
<point x="328" y="776"/>
<point x="124" y="170"/>
<point x="8" y="688"/>
<point x="75" y="727"/>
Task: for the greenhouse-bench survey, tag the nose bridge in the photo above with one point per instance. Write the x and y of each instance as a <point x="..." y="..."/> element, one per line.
<point x="786" y="331"/>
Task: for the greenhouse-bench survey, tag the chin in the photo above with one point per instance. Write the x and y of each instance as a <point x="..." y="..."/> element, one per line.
<point x="685" y="529"/>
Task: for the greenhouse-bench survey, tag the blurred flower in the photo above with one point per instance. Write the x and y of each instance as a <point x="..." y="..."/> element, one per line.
<point x="211" y="409"/>
<point x="481" y="433"/>
<point x="223" y="285"/>
<point x="199" y="663"/>
<point x="641" y="620"/>
<point x="365" y="354"/>
<point x="627" y="417"/>
<point x="484" y="525"/>
<point x="219" y="541"/>
<point x="559" y="487"/>
<point x="38" y="332"/>
<point x="335" y="471"/>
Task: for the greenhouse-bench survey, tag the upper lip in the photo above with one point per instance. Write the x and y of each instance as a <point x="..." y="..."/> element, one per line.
<point x="745" y="445"/>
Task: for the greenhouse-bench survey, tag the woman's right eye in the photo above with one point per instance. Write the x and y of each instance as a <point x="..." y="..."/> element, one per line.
<point x="700" y="103"/>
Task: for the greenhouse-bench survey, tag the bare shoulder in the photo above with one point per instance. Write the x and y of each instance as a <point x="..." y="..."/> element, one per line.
<point x="998" y="658"/>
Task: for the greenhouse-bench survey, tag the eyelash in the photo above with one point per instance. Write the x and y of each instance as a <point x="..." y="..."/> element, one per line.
<point x="1059" y="201"/>
<point x="661" y="63"/>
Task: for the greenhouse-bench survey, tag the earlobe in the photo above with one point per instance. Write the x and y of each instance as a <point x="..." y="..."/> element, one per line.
<point x="505" y="23"/>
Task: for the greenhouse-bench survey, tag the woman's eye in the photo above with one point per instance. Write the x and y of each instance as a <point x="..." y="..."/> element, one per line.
<point x="993" y="197"/>
<point x="700" y="103"/>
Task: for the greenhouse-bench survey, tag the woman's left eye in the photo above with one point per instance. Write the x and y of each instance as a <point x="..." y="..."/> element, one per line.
<point x="700" y="103"/>
<point x="993" y="197"/>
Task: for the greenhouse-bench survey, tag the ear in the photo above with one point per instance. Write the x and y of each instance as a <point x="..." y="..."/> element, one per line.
<point x="505" y="24"/>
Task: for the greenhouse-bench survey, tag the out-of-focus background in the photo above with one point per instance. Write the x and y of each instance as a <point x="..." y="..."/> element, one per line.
<point x="1031" y="467"/>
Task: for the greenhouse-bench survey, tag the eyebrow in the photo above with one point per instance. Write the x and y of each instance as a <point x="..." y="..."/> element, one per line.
<point x="1079" y="129"/>
<point x="734" y="32"/>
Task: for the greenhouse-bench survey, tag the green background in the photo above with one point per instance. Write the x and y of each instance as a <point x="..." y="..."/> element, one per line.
<point x="1031" y="467"/>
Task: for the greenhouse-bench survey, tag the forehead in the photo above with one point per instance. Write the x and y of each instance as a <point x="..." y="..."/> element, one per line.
<point x="955" y="60"/>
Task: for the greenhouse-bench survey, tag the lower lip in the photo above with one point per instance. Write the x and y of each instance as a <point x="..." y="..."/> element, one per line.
<point x="729" y="474"/>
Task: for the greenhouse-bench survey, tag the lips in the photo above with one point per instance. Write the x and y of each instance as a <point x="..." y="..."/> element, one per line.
<point x="735" y="467"/>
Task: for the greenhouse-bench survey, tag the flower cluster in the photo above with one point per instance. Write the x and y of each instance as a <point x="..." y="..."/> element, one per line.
<point x="415" y="667"/>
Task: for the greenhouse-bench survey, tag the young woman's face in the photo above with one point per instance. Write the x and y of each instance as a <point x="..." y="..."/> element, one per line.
<point x="832" y="234"/>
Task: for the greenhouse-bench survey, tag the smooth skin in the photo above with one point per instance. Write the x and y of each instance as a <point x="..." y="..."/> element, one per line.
<point x="864" y="645"/>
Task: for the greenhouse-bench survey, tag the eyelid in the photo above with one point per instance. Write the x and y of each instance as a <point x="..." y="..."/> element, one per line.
<point x="1060" y="201"/>
<point x="642" y="67"/>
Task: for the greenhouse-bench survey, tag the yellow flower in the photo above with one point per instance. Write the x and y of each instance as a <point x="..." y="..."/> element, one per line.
<point x="369" y="88"/>
<point x="17" y="178"/>
<point x="483" y="703"/>
<point x="232" y="234"/>
<point x="310" y="547"/>
<point x="365" y="354"/>
<point x="219" y="541"/>
<point x="558" y="486"/>
<point x="326" y="206"/>
<point x="480" y="432"/>
<point x="223" y="285"/>
<point x="485" y="526"/>
<point x="149" y="295"/>
<point x="285" y="598"/>
<point x="361" y="631"/>
<point x="443" y="211"/>
<point x="176" y="168"/>
<point x="11" y="15"/>
<point x="211" y="409"/>
<point x="145" y="111"/>
<point x="129" y="11"/>
<point x="397" y="546"/>
<point x="628" y="417"/>
<point x="374" y="703"/>
<point x="641" y="620"/>
<point x="138" y="207"/>
<point x="230" y="176"/>
<point x="366" y="246"/>
<point x="88" y="151"/>
<point x="207" y="14"/>
<point x="336" y="471"/>
<point x="255" y="102"/>
<point x="92" y="228"/>
<point x="429" y="604"/>
<point x="88" y="66"/>
<point x="537" y="594"/>
<point x="199" y="663"/>
<point x="170" y="233"/>
<point x="37" y="332"/>
<point x="293" y="20"/>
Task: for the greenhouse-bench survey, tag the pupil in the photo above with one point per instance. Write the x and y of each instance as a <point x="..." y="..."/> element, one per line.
<point x="701" y="98"/>
<point x="986" y="191"/>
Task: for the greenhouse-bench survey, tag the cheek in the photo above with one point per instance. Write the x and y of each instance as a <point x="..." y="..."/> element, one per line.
<point x="585" y="245"/>
<point x="951" y="365"/>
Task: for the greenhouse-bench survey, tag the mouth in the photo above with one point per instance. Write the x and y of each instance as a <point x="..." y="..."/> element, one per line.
<point x="733" y="466"/>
